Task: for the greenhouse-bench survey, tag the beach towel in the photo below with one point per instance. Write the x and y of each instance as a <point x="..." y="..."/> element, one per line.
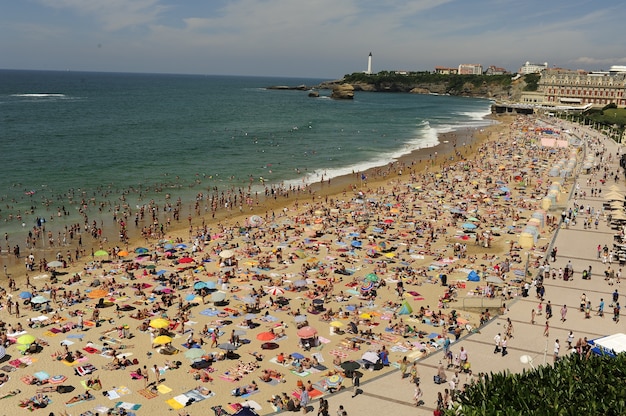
<point x="127" y="406"/>
<point x="250" y="393"/>
<point x="148" y="394"/>
<point x="220" y="411"/>
<point x="91" y="350"/>
<point x="302" y="374"/>
<point x="174" y="404"/>
<point x="163" y="389"/>
<point x="83" y="370"/>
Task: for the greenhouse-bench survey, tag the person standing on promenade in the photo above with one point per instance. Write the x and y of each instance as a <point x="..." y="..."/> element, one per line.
<point x="504" y="344"/>
<point x="497" y="341"/>
<point x="546" y="330"/>
<point x="601" y="308"/>
<point x="557" y="348"/>
<point x="564" y="313"/>
<point x="548" y="310"/>
<point x="532" y="317"/>
<point x="616" y="309"/>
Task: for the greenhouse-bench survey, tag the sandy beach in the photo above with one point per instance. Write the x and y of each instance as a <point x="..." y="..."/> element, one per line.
<point x="298" y="291"/>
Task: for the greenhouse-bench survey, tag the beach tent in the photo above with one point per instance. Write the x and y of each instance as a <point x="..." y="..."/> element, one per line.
<point x="246" y="411"/>
<point x="610" y="345"/>
<point x="405" y="309"/>
<point x="526" y="240"/>
<point x="473" y="276"/>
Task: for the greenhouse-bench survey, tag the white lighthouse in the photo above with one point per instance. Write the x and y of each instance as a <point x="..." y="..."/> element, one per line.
<point x="369" y="64"/>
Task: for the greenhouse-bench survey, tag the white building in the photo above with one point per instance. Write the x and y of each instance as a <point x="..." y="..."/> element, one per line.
<point x="470" y="69"/>
<point x="529" y="68"/>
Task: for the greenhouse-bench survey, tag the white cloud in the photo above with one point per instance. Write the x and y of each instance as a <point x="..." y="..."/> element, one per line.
<point x="113" y="14"/>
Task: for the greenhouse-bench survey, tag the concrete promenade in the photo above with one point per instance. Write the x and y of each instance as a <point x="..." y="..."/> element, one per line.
<point x="391" y="395"/>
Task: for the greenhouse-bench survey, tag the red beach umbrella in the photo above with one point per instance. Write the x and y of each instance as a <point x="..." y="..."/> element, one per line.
<point x="265" y="336"/>
<point x="186" y="260"/>
<point x="307" y="332"/>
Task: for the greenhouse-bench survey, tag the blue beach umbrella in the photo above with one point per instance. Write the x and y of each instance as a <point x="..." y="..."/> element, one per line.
<point x="25" y="295"/>
<point x="469" y="226"/>
<point x="210" y="285"/>
<point x="356" y="244"/>
<point x="199" y="285"/>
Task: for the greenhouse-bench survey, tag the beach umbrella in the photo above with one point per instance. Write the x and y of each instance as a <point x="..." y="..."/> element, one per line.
<point x="194" y="353"/>
<point x="240" y="332"/>
<point x="356" y="243"/>
<point x="469" y="226"/>
<point x="226" y="254"/>
<point x="181" y="245"/>
<point x="365" y="316"/>
<point x="367" y="287"/>
<point x="190" y="297"/>
<point x="160" y="323"/>
<point x="55" y="263"/>
<point x="39" y="299"/>
<point x="297" y="355"/>
<point x="185" y="260"/>
<point x="306" y="332"/>
<point x="353" y="292"/>
<point x="210" y="285"/>
<point x="274" y="290"/>
<point x="122" y="253"/>
<point x="255" y="221"/>
<point x="336" y="324"/>
<point x="141" y="259"/>
<point x="249" y="316"/>
<point x="141" y="250"/>
<point x="97" y="294"/>
<point x="299" y="318"/>
<point x="101" y="253"/>
<point x="3" y="352"/>
<point x="269" y="346"/>
<point x="370" y="356"/>
<point x="227" y="346"/>
<point x="162" y="339"/>
<point x="199" y="285"/>
<point x="372" y="277"/>
<point x="26" y="339"/>
<point x="334" y="380"/>
<point x="377" y="230"/>
<point x="168" y="246"/>
<point x="351" y="365"/>
<point x="25" y="295"/>
<point x="265" y="336"/>
<point x="58" y="379"/>
<point x="218" y="296"/>
<point x="248" y="300"/>
<point x="300" y="283"/>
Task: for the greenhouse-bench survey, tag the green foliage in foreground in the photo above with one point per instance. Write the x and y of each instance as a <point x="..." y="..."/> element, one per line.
<point x="574" y="386"/>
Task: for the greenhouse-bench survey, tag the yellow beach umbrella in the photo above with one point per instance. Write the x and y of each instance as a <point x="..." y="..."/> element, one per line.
<point x="336" y="324"/>
<point x="159" y="323"/>
<point x="26" y="339"/>
<point x="163" y="339"/>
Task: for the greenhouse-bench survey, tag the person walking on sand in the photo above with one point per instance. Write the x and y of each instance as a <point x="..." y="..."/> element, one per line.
<point x="600" y="308"/>
<point x="532" y="317"/>
<point x="548" y="310"/>
<point x="546" y="329"/>
<point x="564" y="313"/>
<point x="504" y="344"/>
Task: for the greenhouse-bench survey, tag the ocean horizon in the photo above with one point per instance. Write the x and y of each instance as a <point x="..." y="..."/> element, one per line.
<point x="111" y="138"/>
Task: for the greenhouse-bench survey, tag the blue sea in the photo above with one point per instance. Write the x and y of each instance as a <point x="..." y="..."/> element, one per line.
<point x="73" y="136"/>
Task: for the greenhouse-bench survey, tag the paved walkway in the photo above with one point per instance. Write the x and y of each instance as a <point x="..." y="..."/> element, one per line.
<point x="390" y="394"/>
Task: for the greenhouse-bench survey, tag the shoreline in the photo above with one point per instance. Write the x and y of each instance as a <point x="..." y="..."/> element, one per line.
<point x="415" y="161"/>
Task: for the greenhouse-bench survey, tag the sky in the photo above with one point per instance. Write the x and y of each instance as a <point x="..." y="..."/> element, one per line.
<point x="313" y="38"/>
